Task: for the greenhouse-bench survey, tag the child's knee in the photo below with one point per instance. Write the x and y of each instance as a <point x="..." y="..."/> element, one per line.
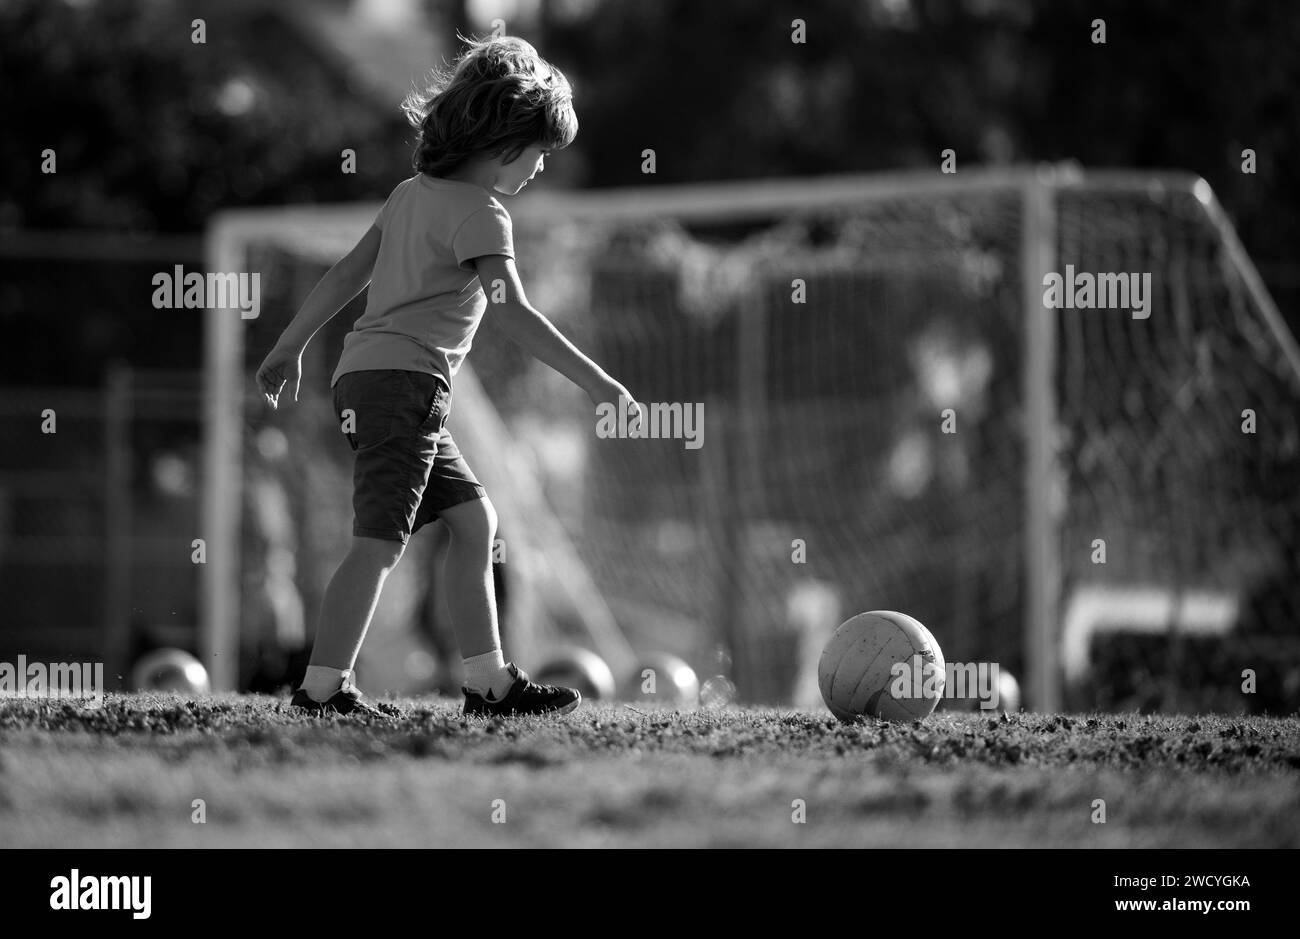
<point x="474" y="521"/>
<point x="490" y="517"/>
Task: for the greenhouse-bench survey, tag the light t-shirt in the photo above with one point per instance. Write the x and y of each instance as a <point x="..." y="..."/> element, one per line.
<point x="425" y="300"/>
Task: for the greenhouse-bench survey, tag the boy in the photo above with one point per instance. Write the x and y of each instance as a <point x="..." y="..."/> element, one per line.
<point x="439" y="241"/>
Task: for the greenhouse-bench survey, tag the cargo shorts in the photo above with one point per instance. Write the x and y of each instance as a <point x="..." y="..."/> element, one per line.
<point x="407" y="467"/>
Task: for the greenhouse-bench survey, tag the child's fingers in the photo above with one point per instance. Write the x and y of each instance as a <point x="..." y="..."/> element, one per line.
<point x="274" y="381"/>
<point x="270" y="382"/>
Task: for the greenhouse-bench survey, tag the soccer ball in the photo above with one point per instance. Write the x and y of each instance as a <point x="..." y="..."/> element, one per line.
<point x="170" y="670"/>
<point x="1008" y="691"/>
<point x="581" y="669"/>
<point x="881" y="664"/>
<point x="674" y="682"/>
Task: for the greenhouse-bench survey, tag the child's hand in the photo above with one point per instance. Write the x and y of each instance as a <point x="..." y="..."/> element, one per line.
<point x="612" y="392"/>
<point x="279" y="366"/>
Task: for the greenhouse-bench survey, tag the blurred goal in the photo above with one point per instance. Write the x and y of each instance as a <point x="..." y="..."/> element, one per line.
<point x="893" y="418"/>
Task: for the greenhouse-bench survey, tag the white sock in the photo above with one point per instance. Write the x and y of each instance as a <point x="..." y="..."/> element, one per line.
<point x="322" y="682"/>
<point x="487" y="673"/>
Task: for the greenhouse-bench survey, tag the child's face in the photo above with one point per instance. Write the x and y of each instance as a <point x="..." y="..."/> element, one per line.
<point x="513" y="176"/>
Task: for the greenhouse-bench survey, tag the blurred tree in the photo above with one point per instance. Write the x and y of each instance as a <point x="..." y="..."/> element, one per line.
<point x="154" y="132"/>
<point x="720" y="91"/>
<point x="1178" y="84"/>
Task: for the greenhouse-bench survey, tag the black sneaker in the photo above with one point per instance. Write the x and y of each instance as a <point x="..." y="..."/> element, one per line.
<point x="344" y="701"/>
<point x="524" y="697"/>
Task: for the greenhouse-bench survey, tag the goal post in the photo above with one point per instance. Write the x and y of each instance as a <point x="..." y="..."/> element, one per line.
<point x="1042" y="564"/>
<point x="224" y="378"/>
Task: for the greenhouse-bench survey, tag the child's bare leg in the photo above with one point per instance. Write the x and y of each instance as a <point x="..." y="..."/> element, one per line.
<point x="439" y="630"/>
<point x="471" y="599"/>
<point x="350" y="601"/>
<point x="471" y="596"/>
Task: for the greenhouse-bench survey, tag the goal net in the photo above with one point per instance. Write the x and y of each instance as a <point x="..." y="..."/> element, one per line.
<point x="1104" y="499"/>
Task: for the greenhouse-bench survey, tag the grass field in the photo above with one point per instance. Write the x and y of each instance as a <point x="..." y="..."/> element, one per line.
<point x="127" y="775"/>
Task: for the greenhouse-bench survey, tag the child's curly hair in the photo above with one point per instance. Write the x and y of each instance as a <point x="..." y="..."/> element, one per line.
<point x="500" y="98"/>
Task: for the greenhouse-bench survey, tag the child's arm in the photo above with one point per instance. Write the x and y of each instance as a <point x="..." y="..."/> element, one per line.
<point x="535" y="334"/>
<point x="340" y="284"/>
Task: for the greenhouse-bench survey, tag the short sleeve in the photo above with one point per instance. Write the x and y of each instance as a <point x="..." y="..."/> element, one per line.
<point x="484" y="231"/>
<point x="382" y="217"/>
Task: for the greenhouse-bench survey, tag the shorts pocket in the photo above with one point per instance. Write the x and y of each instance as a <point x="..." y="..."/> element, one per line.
<point x="363" y="402"/>
<point x="434" y="401"/>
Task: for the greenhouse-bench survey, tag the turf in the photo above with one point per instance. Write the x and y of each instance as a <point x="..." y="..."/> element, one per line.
<point x="128" y="774"/>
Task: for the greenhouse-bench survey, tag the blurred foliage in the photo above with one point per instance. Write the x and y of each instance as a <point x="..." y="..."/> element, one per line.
<point x="719" y="91"/>
<point x="154" y="132"/>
